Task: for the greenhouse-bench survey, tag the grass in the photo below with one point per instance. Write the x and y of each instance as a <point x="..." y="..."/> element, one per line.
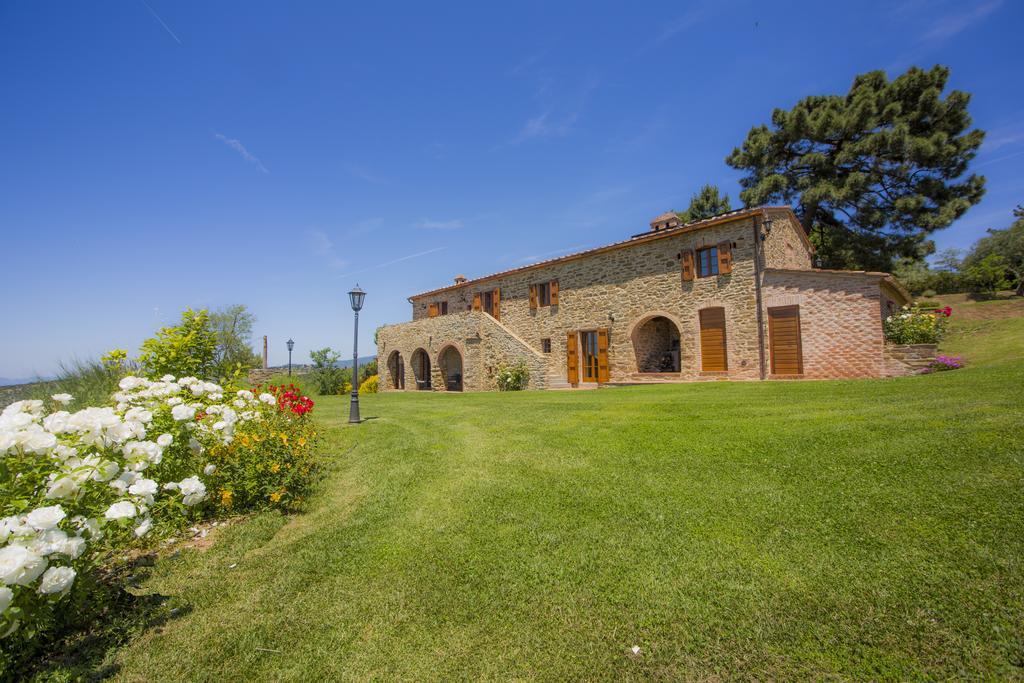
<point x="850" y="529"/>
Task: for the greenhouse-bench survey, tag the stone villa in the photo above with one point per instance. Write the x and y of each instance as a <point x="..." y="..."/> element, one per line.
<point x="729" y="297"/>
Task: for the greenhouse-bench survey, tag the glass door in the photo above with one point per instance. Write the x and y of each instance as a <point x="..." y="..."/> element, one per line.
<point x="589" y="355"/>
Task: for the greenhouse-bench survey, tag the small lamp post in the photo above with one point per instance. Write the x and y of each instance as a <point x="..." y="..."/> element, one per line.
<point x="355" y="297"/>
<point x="291" y="345"/>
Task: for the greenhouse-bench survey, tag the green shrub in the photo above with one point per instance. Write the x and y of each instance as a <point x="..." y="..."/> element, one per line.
<point x="184" y="350"/>
<point x="513" y="377"/>
<point x="89" y="382"/>
<point x="329" y="379"/>
<point x="914" y="325"/>
<point x="370" y="385"/>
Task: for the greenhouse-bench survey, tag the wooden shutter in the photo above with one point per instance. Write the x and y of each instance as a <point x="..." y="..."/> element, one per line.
<point x="784" y="338"/>
<point x="602" y="355"/>
<point x="713" y="356"/>
<point x="533" y="297"/>
<point x="554" y="292"/>
<point x="572" y="359"/>
<point x="432" y="311"/>
<point x="496" y="304"/>
<point x="477" y="305"/>
<point x="724" y="257"/>
<point x="687" y="265"/>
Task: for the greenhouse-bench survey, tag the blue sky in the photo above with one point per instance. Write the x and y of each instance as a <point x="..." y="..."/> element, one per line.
<point x="158" y="154"/>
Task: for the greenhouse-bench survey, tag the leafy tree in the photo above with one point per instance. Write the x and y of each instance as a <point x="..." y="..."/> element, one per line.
<point x="871" y="173"/>
<point x="1008" y="244"/>
<point x="705" y="204"/>
<point x="233" y="327"/>
<point x="949" y="260"/>
<point x="184" y="349"/>
<point x="328" y="376"/>
<point x="987" y="275"/>
<point x="365" y="371"/>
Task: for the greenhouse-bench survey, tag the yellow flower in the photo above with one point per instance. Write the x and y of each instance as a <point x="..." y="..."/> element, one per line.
<point x="225" y="497"/>
<point x="284" y="438"/>
<point x="275" y="468"/>
<point x="275" y="496"/>
<point x="302" y="441"/>
<point x="245" y="440"/>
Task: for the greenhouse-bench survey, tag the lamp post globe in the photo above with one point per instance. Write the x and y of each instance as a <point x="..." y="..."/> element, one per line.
<point x="291" y="345"/>
<point x="355" y="298"/>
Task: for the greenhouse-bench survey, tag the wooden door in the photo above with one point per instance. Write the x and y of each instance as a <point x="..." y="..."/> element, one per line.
<point x="713" y="357"/>
<point x="590" y="356"/>
<point x="572" y="359"/>
<point x="784" y="338"/>
<point x="602" y="355"/>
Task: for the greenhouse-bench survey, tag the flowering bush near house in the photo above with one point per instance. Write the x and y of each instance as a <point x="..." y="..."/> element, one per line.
<point x="942" y="363"/>
<point x="915" y="325"/>
<point x="76" y="487"/>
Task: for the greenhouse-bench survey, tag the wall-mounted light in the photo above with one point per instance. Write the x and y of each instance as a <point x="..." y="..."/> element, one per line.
<point x="766" y="227"/>
<point x="611" y="316"/>
<point x="818" y="263"/>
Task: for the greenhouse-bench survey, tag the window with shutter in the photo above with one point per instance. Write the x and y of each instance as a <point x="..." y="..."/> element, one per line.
<point x="496" y="304"/>
<point x="724" y="257"/>
<point x="554" y="292"/>
<point x="544" y="294"/>
<point x="533" y="297"/>
<point x="707" y="261"/>
<point x="602" y="355"/>
<point x="687" y="265"/>
<point x="477" y="301"/>
<point x="432" y="311"/>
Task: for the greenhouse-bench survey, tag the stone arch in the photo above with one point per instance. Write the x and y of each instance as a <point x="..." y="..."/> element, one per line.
<point x="450" y="365"/>
<point x="421" y="369"/>
<point x="396" y="370"/>
<point x="657" y="343"/>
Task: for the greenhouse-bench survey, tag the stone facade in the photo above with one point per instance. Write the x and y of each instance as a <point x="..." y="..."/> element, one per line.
<point x="637" y="292"/>
<point x="909" y="359"/>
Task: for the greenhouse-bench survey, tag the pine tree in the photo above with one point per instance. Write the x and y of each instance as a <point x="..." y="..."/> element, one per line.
<point x="705" y="204"/>
<point x="872" y="173"/>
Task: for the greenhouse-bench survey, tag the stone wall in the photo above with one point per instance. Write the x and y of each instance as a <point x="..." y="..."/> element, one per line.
<point x="909" y="359"/>
<point x="483" y="344"/>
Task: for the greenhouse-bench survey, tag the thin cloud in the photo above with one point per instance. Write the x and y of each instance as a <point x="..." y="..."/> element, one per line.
<point x="362" y="173"/>
<point x="324" y="248"/>
<point x="428" y="224"/>
<point x="394" y="261"/>
<point x="162" y="22"/>
<point x="949" y="26"/>
<point x="688" y="20"/>
<point x="561" y="110"/>
<point x="242" y="151"/>
<point x="554" y="252"/>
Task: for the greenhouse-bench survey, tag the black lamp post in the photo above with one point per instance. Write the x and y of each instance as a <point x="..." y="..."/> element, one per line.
<point x="291" y="345"/>
<point x="355" y="297"/>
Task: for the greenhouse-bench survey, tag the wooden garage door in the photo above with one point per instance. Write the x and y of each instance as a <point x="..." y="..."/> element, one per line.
<point x="784" y="336"/>
<point x="712" y="340"/>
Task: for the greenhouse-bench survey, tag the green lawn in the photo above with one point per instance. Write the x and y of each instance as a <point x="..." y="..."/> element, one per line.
<point x="857" y="529"/>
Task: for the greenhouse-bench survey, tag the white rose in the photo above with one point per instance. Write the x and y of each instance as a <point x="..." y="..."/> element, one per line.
<point x="73" y="547"/>
<point x="193" y="490"/>
<point x="143" y="487"/>
<point x="195" y="446"/>
<point x="143" y="528"/>
<point x="63" y="399"/>
<point x="165" y="440"/>
<point x="11" y="526"/>
<point x="64" y="487"/>
<point x="6" y="596"/>
<point x="19" y="566"/>
<point x="209" y="469"/>
<point x="183" y="412"/>
<point x="269" y="399"/>
<point x="57" y="580"/>
<point x="120" y="510"/>
<point x="246" y="394"/>
<point x="45" y="518"/>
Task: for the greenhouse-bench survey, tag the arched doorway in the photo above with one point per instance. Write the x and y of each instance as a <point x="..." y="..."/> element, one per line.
<point x="656" y="344"/>
<point x="450" y="363"/>
<point x="421" y="369"/>
<point x="396" y="370"/>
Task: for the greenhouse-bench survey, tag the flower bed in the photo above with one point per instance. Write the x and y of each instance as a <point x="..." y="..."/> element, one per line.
<point x="916" y="325"/>
<point x="76" y="487"/>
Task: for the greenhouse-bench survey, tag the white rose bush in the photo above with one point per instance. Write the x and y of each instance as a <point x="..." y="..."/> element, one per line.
<point x="77" y="487"/>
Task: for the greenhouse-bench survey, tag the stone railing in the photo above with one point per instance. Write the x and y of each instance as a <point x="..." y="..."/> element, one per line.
<point x="908" y="359"/>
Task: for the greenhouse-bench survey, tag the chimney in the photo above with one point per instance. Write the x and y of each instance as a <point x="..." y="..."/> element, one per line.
<point x="264" y="352"/>
<point x="667" y="220"/>
<point x="459" y="279"/>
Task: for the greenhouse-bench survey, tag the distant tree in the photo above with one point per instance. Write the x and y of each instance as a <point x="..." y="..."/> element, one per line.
<point x="705" y="204"/>
<point x="1007" y="244"/>
<point x="233" y="327"/>
<point x="871" y="173"/>
<point x="987" y="275"/>
<point x="185" y="349"/>
<point x="328" y="376"/>
<point x="949" y="260"/>
<point x="367" y="370"/>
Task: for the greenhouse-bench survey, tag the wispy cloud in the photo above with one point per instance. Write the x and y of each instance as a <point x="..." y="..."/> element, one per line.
<point x="242" y="151"/>
<point x="950" y="25"/>
<point x="690" y="18"/>
<point x="561" y="109"/>
<point x="362" y="173"/>
<point x="394" y="261"/>
<point x="428" y="224"/>
<point x="554" y="252"/>
<point x="324" y="248"/>
<point x="162" y="22"/>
